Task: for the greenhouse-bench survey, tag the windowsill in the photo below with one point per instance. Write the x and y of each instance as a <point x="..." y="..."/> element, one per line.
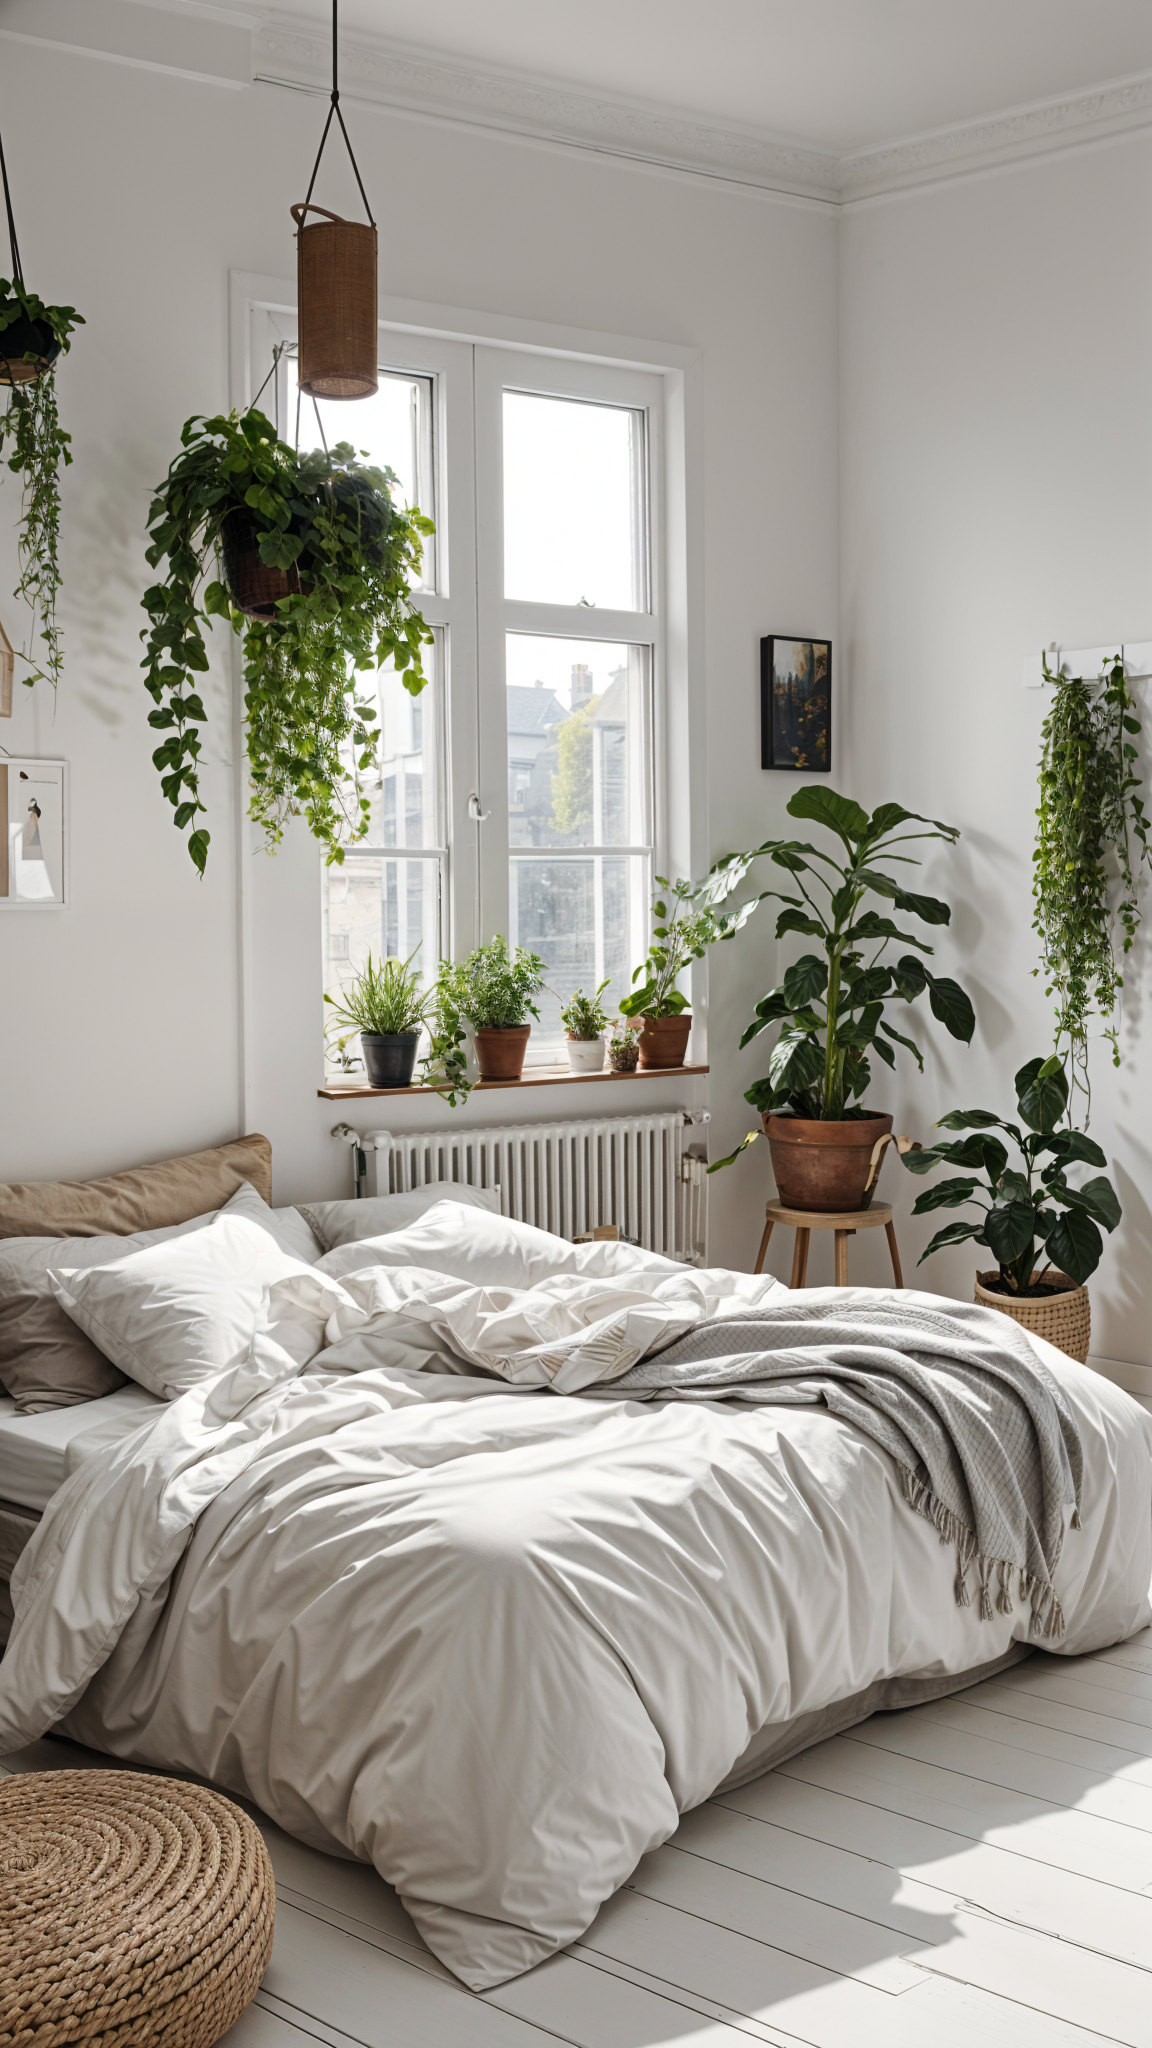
<point x="534" y="1077"/>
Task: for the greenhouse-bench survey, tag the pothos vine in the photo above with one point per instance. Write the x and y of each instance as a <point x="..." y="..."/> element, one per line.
<point x="1091" y="842"/>
<point x="40" y="448"/>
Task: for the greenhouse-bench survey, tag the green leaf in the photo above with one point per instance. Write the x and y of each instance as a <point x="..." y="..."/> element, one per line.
<point x="979" y="1150"/>
<point x="806" y="978"/>
<point x="971" y="1120"/>
<point x="198" y="848"/>
<point x="1068" y="1145"/>
<point x="1075" y="1246"/>
<point x="1097" y="1198"/>
<point x="795" y="1061"/>
<point x="825" y="807"/>
<point x="927" y="907"/>
<point x="886" y="818"/>
<point x="909" y="977"/>
<point x="798" y="921"/>
<point x="947" y="1194"/>
<point x="910" y="1044"/>
<point x="952" y="1233"/>
<point x="1010" y="1229"/>
<point x="950" y="1004"/>
<point x="872" y="926"/>
<point x="747" y="1140"/>
<point x="1013" y="1187"/>
<point x="1043" y="1097"/>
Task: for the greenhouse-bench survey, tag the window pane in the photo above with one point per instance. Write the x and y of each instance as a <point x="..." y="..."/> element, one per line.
<point x="587" y="918"/>
<point x="405" y="797"/>
<point x="393" y="429"/>
<point x="575" y="521"/>
<point x="577" y="742"/>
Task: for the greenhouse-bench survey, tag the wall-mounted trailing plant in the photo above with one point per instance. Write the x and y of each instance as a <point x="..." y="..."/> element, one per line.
<point x="1091" y="842"/>
<point x="32" y="337"/>
<point x="315" y="563"/>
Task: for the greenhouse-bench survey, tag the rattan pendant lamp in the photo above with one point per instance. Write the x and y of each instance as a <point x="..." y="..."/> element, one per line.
<point x="336" y="284"/>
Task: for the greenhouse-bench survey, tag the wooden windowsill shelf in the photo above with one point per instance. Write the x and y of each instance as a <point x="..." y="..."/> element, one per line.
<point x="534" y="1077"/>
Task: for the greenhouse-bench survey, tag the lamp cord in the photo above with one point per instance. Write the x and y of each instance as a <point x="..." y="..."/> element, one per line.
<point x="333" y="109"/>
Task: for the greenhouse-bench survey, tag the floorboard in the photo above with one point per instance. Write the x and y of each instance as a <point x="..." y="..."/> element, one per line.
<point x="976" y="1870"/>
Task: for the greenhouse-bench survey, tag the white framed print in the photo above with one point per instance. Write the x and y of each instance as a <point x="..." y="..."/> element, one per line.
<point x="33" y="871"/>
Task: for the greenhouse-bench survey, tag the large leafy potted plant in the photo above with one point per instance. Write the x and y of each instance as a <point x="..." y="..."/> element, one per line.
<point x="830" y="1005"/>
<point x="1027" y="1214"/>
<point x="315" y="562"/>
<point x="388" y="1005"/>
<point x="679" y="936"/>
<point x="493" y="989"/>
<point x="32" y="337"/>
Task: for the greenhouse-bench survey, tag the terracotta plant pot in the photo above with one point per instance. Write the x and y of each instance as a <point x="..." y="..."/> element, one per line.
<point x="664" y="1040"/>
<point x="586" y="1055"/>
<point x="823" y="1166"/>
<point x="252" y="586"/>
<point x="1063" y="1316"/>
<point x="500" y="1050"/>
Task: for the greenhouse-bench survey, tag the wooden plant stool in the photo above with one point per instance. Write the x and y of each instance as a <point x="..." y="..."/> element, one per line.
<point x="845" y="1224"/>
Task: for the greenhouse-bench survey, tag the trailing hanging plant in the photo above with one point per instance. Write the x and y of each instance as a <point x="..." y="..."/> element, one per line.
<point x="335" y="557"/>
<point x="1091" y="840"/>
<point x="32" y="336"/>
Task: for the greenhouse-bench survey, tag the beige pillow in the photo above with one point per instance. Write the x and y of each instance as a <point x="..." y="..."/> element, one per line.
<point x="46" y="1360"/>
<point x="182" y="1311"/>
<point x="143" y="1198"/>
<point x="337" y="1223"/>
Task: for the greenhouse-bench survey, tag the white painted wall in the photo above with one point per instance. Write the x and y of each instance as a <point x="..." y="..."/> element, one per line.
<point x="137" y="194"/>
<point x="997" y="413"/>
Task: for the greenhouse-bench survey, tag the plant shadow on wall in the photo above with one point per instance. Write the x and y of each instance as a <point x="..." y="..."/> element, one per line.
<point x="315" y="562"/>
<point x="830" y="1005"/>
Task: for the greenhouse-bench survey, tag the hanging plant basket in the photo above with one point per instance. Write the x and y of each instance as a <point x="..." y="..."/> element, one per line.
<point x="23" y="339"/>
<point x="254" y="588"/>
<point x="336" y="295"/>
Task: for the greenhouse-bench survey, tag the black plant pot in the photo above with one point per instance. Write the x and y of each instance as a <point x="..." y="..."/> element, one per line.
<point x="254" y="587"/>
<point x="26" y="338"/>
<point x="390" y="1059"/>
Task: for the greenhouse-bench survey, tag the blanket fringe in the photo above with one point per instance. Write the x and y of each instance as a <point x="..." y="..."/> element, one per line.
<point x="1047" y="1614"/>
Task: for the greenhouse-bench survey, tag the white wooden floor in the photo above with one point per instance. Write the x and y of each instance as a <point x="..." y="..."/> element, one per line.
<point x="977" y="1871"/>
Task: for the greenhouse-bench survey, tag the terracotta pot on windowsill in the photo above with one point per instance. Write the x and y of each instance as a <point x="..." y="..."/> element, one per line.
<point x="823" y="1166"/>
<point x="664" y="1040"/>
<point x="500" y="1050"/>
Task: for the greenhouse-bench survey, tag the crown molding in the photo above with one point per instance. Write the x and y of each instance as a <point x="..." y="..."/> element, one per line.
<point x="398" y="75"/>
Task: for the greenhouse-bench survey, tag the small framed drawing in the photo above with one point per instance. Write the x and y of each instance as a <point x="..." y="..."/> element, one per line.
<point x="33" y="869"/>
<point x="796" y="703"/>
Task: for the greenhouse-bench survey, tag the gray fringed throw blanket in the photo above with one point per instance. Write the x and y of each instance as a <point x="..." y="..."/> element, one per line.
<point x="987" y="1446"/>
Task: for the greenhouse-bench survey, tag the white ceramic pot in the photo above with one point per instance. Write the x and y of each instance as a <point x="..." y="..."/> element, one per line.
<point x="586" y="1055"/>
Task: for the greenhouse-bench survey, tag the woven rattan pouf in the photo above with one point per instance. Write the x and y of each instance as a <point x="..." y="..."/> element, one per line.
<point x="132" y="1910"/>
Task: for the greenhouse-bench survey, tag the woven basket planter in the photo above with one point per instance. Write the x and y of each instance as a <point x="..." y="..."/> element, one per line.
<point x="133" y="1910"/>
<point x="1064" y="1319"/>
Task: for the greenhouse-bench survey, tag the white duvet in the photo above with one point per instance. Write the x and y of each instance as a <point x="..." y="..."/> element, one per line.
<point x="496" y="1639"/>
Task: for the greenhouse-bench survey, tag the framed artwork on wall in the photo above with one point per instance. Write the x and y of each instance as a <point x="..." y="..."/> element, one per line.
<point x="796" y="703"/>
<point x="33" y="863"/>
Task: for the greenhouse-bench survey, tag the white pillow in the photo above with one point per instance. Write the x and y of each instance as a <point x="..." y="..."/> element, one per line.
<point x="287" y="1226"/>
<point x="183" y="1311"/>
<point x="336" y="1223"/>
<point x="487" y="1250"/>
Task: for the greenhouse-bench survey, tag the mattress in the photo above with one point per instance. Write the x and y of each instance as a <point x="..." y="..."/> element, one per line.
<point x="38" y="1451"/>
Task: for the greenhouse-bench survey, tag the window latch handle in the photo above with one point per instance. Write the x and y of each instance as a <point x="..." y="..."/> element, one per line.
<point x="474" y="812"/>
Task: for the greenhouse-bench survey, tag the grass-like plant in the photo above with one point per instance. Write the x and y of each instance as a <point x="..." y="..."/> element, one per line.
<point x="585" y="1016"/>
<point x="1029" y="1212"/>
<point x="330" y="518"/>
<point x="1091" y="842"/>
<point x="387" y="999"/>
<point x="31" y="332"/>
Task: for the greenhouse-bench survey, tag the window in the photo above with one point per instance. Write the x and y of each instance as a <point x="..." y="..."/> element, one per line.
<point x="519" y="793"/>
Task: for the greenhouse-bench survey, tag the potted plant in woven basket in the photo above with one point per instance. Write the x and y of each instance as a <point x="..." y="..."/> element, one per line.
<point x="1030" y="1216"/>
<point x="831" y="1004"/>
<point x="585" y="1020"/>
<point x="680" y="935"/>
<point x="493" y="990"/>
<point x="315" y="562"/>
<point x="388" y="1005"/>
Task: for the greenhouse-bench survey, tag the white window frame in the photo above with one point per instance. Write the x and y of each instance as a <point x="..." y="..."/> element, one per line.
<point x="472" y="357"/>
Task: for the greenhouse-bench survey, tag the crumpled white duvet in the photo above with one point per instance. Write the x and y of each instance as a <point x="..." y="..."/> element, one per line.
<point x="493" y="1639"/>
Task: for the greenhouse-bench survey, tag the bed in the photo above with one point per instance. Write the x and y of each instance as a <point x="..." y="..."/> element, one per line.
<point x="492" y="1637"/>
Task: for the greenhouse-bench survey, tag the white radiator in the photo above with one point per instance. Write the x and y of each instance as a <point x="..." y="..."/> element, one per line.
<point x="636" y="1172"/>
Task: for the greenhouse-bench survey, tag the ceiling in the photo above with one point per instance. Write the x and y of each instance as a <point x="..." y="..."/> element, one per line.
<point x="839" y="75"/>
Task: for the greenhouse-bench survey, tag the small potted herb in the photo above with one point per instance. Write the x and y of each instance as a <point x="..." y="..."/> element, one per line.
<point x="493" y="989"/>
<point x="681" y="936"/>
<point x="1027" y="1215"/>
<point x="32" y="336"/>
<point x="624" y="1048"/>
<point x="585" y="1020"/>
<point x="387" y="1004"/>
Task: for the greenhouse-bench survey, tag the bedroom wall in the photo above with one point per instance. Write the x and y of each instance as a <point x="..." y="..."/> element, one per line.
<point x="137" y="192"/>
<point x="997" y="414"/>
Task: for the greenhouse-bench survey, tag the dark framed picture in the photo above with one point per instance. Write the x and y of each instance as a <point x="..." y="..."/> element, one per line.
<point x="796" y="703"/>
